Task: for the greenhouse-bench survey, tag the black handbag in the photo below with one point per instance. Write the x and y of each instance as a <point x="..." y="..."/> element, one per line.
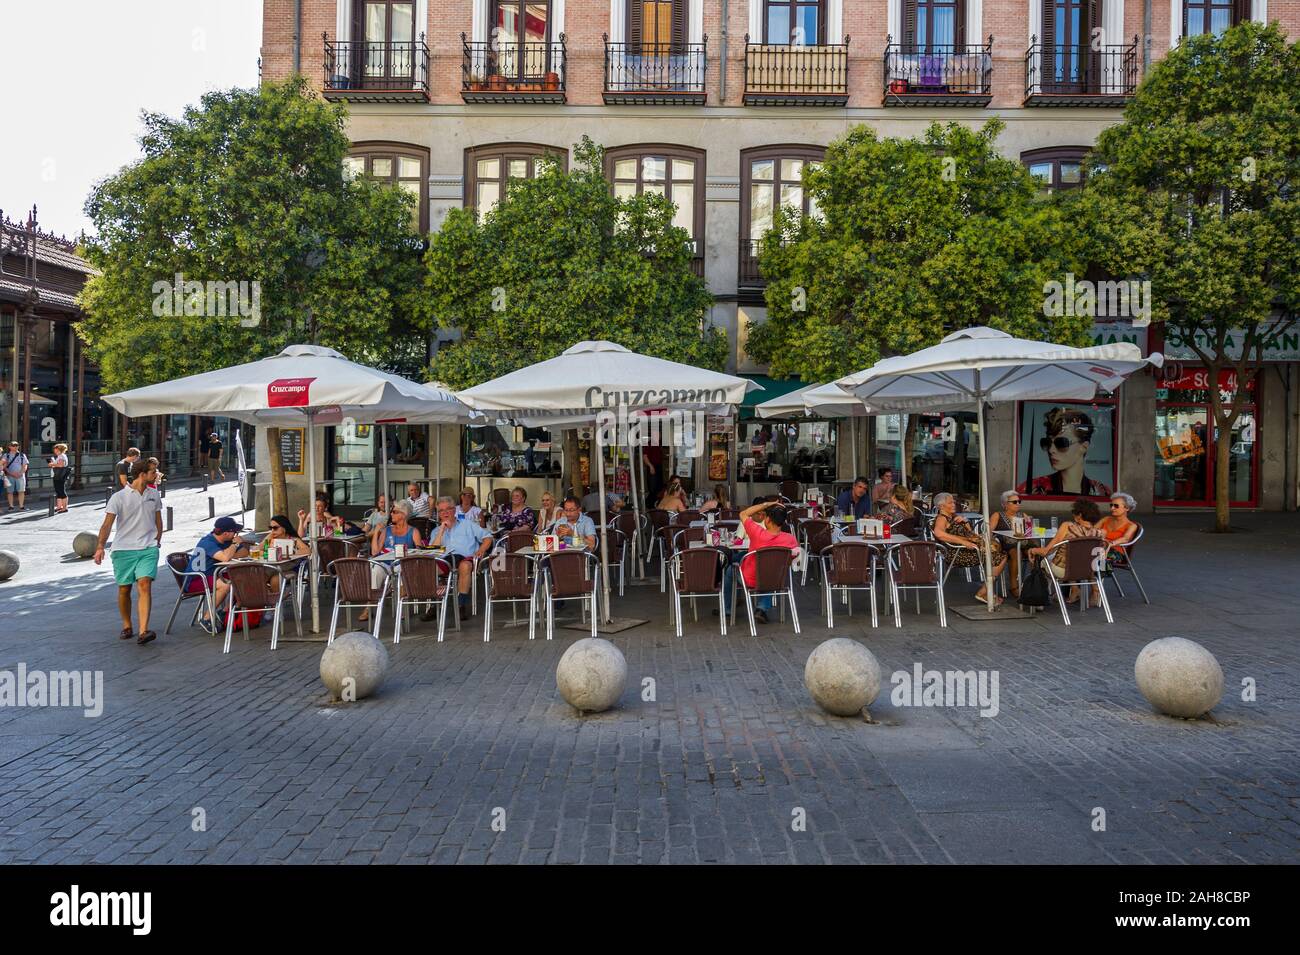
<point x="1035" y="591"/>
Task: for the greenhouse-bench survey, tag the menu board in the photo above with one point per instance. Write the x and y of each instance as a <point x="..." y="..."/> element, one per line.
<point x="291" y="449"/>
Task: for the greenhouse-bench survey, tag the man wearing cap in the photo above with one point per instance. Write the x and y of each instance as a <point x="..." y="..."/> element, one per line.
<point x="212" y="549"/>
<point x="137" y="514"/>
<point x="13" y="466"/>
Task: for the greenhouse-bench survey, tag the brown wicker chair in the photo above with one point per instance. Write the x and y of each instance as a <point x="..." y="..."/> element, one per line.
<point x="917" y="565"/>
<point x="729" y="514"/>
<point x="509" y="578"/>
<point x="773" y="577"/>
<point x="571" y="574"/>
<point x="250" y="591"/>
<point x="1085" y="562"/>
<point x="330" y="549"/>
<point x="517" y="540"/>
<point x="816" y="536"/>
<point x="423" y="580"/>
<point x="423" y="525"/>
<point x="790" y="489"/>
<point x="500" y="497"/>
<point x="355" y="588"/>
<point x="848" y="566"/>
<point x="696" y="572"/>
<point x="179" y="563"/>
<point x="688" y="517"/>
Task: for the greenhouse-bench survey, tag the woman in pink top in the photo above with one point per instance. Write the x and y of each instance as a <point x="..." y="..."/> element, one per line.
<point x="765" y="525"/>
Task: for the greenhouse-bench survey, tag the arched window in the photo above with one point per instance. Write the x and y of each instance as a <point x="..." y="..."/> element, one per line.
<point x="673" y="171"/>
<point x="771" y="177"/>
<point x="398" y="164"/>
<point x="1057" y="167"/>
<point x="490" y="169"/>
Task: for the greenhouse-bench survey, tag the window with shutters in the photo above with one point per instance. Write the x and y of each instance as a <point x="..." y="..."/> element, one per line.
<point x="1067" y="42"/>
<point x="490" y="169"/>
<point x="387" y="31"/>
<point x="771" y="178"/>
<point x="794" y="22"/>
<point x="933" y="26"/>
<point x="398" y="164"/>
<point x="1212" y="16"/>
<point x="656" y="26"/>
<point x="676" y="172"/>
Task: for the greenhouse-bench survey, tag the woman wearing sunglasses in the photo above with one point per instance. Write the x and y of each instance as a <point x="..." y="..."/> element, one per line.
<point x="1003" y="520"/>
<point x="1116" y="526"/>
<point x="1069" y="432"/>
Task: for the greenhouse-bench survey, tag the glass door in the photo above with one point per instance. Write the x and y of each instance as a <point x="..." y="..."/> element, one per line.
<point x="388" y="34"/>
<point x="1182" y="455"/>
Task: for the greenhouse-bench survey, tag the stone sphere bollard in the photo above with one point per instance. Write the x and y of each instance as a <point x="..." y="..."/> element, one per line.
<point x="843" y="676"/>
<point x="8" y="564"/>
<point x="1179" y="677"/>
<point x="591" y="675"/>
<point x="84" y="544"/>
<point x="353" y="666"/>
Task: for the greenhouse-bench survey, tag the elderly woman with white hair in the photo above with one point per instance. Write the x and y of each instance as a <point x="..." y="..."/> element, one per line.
<point x="965" y="547"/>
<point x="1117" y="526"/>
<point x="1003" y="520"/>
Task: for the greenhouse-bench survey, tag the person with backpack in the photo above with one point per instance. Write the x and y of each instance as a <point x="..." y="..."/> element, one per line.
<point x="13" y="464"/>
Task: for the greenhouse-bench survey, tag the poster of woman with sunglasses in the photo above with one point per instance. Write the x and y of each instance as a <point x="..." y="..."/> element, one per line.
<point x="1076" y="442"/>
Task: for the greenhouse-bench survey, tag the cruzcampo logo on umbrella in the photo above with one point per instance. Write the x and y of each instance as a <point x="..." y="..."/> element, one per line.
<point x="289" y="393"/>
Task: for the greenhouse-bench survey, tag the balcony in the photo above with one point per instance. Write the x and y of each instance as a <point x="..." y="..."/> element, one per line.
<point x="513" y="72"/>
<point x="938" y="75"/>
<point x="1079" y="75"/>
<point x="784" y="75"/>
<point x="749" y="277"/>
<point x="655" y="74"/>
<point x="357" y="71"/>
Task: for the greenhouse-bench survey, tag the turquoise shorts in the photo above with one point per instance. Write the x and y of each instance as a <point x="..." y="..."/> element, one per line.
<point x="132" y="565"/>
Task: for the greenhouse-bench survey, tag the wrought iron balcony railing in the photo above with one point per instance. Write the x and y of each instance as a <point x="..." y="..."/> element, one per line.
<point x="655" y="73"/>
<point x="749" y="276"/>
<point x="513" y="72"/>
<point x="1080" y="75"/>
<point x="359" y="70"/>
<point x="788" y="75"/>
<point x="938" y="74"/>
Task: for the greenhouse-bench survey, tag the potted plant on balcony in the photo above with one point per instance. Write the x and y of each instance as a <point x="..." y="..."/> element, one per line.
<point x="497" y="83"/>
<point x="552" y="82"/>
<point x="898" y="86"/>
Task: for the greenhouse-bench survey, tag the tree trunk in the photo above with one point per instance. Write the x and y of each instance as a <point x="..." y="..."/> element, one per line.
<point x="1222" y="510"/>
<point x="279" y="489"/>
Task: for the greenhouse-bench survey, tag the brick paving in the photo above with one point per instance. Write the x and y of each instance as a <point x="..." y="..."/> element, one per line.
<point x="716" y="768"/>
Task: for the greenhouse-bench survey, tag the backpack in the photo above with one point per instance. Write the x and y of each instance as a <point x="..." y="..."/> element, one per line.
<point x="1035" y="591"/>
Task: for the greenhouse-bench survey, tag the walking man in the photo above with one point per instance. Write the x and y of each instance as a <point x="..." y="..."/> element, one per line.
<point x="137" y="515"/>
<point x="123" y="468"/>
<point x="214" y="458"/>
<point x="13" y="464"/>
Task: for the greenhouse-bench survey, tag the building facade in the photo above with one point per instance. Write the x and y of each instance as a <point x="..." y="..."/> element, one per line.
<point x="721" y="104"/>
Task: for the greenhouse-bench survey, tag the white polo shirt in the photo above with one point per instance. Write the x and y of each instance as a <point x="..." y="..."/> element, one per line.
<point x="135" y="518"/>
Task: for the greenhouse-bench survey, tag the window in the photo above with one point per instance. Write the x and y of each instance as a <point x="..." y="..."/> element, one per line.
<point x="776" y="450"/>
<point x="1212" y="16"/>
<point x="1067" y="35"/>
<point x="794" y="22"/>
<point x="489" y="170"/>
<point x="521" y="21"/>
<point x="771" y="178"/>
<point x="672" y="171"/>
<point x="1057" y="168"/>
<point x="387" y="28"/>
<point x="933" y="25"/>
<point x="397" y="164"/>
<point x="656" y="25"/>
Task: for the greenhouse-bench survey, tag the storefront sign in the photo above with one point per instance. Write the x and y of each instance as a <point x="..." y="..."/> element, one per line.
<point x="1110" y="333"/>
<point x="1176" y="376"/>
<point x="291" y="449"/>
<point x="1284" y="346"/>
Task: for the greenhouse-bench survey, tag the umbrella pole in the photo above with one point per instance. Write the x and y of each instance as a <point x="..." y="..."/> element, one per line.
<point x="383" y="459"/>
<point x="604" y="537"/>
<point x="853" y="433"/>
<point x="311" y="509"/>
<point x="984" y="497"/>
<point x="437" y="476"/>
<point x="636" y="504"/>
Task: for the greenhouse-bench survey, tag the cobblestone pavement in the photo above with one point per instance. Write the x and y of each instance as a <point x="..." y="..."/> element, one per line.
<point x="718" y="767"/>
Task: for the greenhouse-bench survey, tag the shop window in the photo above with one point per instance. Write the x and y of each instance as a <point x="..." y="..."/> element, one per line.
<point x="504" y="451"/>
<point x="773" y="451"/>
<point x="1185" y="436"/>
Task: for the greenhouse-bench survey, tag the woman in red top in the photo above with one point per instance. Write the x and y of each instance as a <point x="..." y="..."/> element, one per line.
<point x="765" y="526"/>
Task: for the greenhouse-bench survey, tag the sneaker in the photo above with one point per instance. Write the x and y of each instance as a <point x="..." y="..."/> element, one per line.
<point x="760" y="616"/>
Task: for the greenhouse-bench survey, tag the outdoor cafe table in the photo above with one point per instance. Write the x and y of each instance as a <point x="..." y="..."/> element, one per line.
<point x="1034" y="537"/>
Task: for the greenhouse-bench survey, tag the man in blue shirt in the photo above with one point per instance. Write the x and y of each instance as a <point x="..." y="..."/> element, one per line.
<point x="574" y="523"/>
<point x="211" y="550"/>
<point x="466" y="540"/>
<point x="855" y="500"/>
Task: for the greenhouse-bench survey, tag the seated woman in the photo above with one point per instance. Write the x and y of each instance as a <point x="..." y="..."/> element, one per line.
<point x="720" y="501"/>
<point x="1003" y="521"/>
<point x="899" y="507"/>
<point x="326" y="522"/>
<point x="1117" y="527"/>
<point x="766" y="524"/>
<point x="966" y="547"/>
<point x="284" y="541"/>
<point x="398" y="531"/>
<point x="1085" y="518"/>
<point x="517" y="514"/>
<point x="467" y="509"/>
<point x="674" y="497"/>
<point x="547" y="513"/>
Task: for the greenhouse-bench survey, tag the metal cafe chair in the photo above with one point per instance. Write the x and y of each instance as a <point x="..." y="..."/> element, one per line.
<point x="423" y="580"/>
<point x="517" y="540"/>
<point x="618" y="555"/>
<point x="659" y="519"/>
<point x="250" y="592"/>
<point x="509" y="578"/>
<point x="330" y="549"/>
<point x="1121" y="558"/>
<point x="697" y="572"/>
<point x="816" y="536"/>
<point x="773" y="577"/>
<point x="791" y="490"/>
<point x="178" y="563"/>
<point x="356" y="588"/>
<point x="1085" y="562"/>
<point x="917" y="565"/>
<point x="848" y="566"/>
<point x="571" y="574"/>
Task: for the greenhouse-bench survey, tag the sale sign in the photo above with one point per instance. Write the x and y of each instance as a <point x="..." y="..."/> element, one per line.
<point x="289" y="393"/>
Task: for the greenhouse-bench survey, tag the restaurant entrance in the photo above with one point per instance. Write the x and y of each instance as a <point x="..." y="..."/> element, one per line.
<point x="1185" y="440"/>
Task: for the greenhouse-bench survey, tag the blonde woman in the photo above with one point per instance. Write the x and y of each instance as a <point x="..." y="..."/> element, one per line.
<point x="547" y="513"/>
<point x="59" y="471"/>
<point x="899" y="507"/>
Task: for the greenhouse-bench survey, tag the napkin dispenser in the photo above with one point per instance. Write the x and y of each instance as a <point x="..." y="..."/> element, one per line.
<point x="871" y="527"/>
<point x="546" y="543"/>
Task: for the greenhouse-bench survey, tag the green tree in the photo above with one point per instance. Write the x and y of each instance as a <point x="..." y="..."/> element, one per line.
<point x="1198" y="189"/>
<point x="246" y="187"/>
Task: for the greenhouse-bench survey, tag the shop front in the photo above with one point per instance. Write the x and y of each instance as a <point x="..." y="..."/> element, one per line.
<point x="1185" y="439"/>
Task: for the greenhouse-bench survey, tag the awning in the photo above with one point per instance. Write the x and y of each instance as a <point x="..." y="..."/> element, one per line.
<point x="772" y="388"/>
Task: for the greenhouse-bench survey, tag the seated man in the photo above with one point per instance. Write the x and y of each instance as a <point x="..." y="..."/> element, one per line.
<point x="418" y="501"/>
<point x="854" y="501"/>
<point x="212" y="550"/>
<point x="464" y="540"/>
<point x="574" y="523"/>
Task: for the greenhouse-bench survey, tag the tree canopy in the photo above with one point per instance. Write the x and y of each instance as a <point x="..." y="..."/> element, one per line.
<point x="561" y="260"/>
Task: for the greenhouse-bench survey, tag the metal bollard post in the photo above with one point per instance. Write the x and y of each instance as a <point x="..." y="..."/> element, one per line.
<point x="51" y="514"/>
<point x="108" y="492"/>
<point x="205" y="484"/>
<point x="169" y="518"/>
<point x="212" y="508"/>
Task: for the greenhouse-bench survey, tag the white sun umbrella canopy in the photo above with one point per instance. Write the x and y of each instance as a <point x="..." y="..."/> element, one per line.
<point x="600" y="376"/>
<point x="304" y="384"/>
<point x="977" y="366"/>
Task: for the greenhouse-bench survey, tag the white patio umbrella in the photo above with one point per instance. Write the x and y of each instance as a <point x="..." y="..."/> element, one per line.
<point x="293" y="387"/>
<point x="978" y="366"/>
<point x="596" y="376"/>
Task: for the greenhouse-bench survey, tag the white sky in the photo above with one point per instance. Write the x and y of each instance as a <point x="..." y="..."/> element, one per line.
<point x="79" y="72"/>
